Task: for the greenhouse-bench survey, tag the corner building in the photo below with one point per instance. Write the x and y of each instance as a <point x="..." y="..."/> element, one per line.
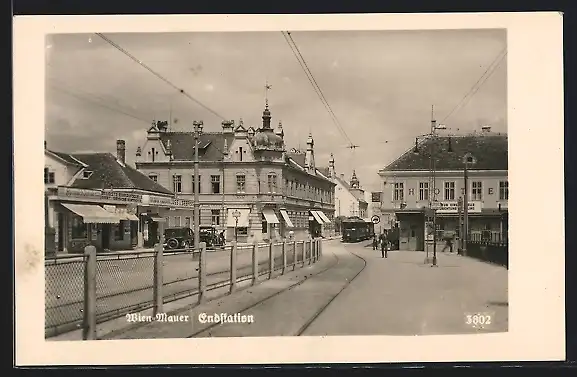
<point x="408" y="186"/>
<point x="249" y="186"/>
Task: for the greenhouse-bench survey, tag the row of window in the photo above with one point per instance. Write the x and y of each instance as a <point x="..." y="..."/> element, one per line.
<point x="79" y="229"/>
<point x="476" y="192"/>
<point x="306" y="191"/>
<point x="292" y="188"/>
<point x="178" y="221"/>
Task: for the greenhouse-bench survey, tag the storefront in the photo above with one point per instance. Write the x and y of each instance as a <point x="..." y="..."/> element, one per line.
<point x="79" y="225"/>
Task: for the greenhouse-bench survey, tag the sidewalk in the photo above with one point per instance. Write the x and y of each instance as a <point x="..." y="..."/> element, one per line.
<point x="245" y="297"/>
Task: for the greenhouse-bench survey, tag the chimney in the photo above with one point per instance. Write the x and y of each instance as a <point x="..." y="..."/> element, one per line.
<point x="45" y="145"/>
<point x="342" y="176"/>
<point x="121" y="150"/>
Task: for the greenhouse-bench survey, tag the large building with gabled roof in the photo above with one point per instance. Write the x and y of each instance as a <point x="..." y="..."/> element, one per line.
<point x="275" y="192"/>
<point x="408" y="187"/>
<point x="97" y="199"/>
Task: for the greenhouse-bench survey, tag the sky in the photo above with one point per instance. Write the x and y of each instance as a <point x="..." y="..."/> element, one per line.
<point x="380" y="85"/>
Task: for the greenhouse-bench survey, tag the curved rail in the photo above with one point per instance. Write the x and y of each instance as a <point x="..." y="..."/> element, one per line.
<point x="324" y="307"/>
<point x="317" y="313"/>
<point x="335" y="263"/>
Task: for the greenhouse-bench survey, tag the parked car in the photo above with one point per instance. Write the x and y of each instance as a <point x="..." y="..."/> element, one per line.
<point x="178" y="238"/>
<point x="210" y="235"/>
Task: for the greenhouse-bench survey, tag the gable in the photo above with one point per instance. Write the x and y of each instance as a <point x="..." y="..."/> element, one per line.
<point x="239" y="146"/>
<point x="154" y="147"/>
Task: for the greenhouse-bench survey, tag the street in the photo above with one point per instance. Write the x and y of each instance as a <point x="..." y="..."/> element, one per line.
<point x="398" y="295"/>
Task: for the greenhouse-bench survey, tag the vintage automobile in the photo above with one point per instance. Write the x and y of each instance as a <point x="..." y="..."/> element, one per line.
<point x="210" y="235"/>
<point x="178" y="238"/>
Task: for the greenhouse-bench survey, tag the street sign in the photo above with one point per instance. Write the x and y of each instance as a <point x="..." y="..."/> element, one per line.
<point x="375" y="219"/>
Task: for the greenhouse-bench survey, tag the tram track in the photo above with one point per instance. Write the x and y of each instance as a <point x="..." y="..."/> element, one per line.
<point x="316" y="314"/>
<point x="326" y="306"/>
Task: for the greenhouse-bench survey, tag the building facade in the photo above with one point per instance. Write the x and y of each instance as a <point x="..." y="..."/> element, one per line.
<point x="349" y="196"/>
<point x="96" y="199"/>
<point x="249" y="185"/>
<point x="411" y="187"/>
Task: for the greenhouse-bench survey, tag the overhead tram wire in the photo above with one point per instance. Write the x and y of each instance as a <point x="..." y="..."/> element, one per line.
<point x="159" y="76"/>
<point x="316" y="87"/>
<point x="95" y="102"/>
<point x="488" y="72"/>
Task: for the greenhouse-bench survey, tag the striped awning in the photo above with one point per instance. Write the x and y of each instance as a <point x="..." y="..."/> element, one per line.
<point x="286" y="218"/>
<point x="317" y="217"/>
<point x="92" y="214"/>
<point x="127" y="216"/>
<point x="270" y="216"/>
<point x="323" y="217"/>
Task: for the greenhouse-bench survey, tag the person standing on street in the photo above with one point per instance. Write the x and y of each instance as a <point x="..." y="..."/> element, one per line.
<point x="375" y="242"/>
<point x="384" y="246"/>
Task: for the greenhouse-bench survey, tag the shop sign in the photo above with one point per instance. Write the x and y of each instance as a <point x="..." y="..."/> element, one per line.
<point x="453" y="207"/>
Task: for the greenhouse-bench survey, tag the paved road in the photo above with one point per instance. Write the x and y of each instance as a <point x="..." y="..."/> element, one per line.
<point x="128" y="282"/>
<point x="401" y="295"/>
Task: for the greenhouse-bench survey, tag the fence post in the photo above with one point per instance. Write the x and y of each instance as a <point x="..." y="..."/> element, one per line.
<point x="320" y="250"/>
<point x="304" y="252"/>
<point x="315" y="248"/>
<point x="270" y="259"/>
<point x="233" y="267"/>
<point x="283" y="256"/>
<point x="254" y="262"/>
<point x="158" y="280"/>
<point x="294" y="255"/>
<point x="310" y="259"/>
<point x="202" y="272"/>
<point x="89" y="317"/>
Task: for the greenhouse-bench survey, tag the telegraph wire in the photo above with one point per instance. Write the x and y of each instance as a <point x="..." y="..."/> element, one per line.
<point x="315" y="86"/>
<point x="483" y="82"/>
<point x="159" y="76"/>
<point x="488" y="72"/>
<point x="95" y="102"/>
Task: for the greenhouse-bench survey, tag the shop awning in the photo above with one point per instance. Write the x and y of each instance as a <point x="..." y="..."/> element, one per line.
<point x="316" y="216"/>
<point x="155" y="217"/>
<point x="286" y="218"/>
<point x="323" y="217"/>
<point x="270" y="216"/>
<point x="92" y="214"/>
<point x="127" y="216"/>
<point x="242" y="213"/>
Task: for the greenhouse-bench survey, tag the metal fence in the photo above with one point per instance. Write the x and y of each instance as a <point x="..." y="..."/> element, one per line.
<point x="81" y="291"/>
<point x="492" y="252"/>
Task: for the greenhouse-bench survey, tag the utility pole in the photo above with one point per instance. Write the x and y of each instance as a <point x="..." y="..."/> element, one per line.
<point x="197" y="129"/>
<point x="466" y="206"/>
<point x="434" y="166"/>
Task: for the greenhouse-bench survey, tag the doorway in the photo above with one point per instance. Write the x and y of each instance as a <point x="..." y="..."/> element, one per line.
<point x="105" y="236"/>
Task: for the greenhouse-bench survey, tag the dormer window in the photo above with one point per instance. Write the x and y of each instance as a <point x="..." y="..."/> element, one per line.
<point x="86" y="174"/>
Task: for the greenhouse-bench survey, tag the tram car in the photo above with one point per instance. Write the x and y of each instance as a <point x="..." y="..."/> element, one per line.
<point x="355" y="229"/>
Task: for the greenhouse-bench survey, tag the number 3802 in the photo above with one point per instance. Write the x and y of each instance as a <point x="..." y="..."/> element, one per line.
<point x="478" y="319"/>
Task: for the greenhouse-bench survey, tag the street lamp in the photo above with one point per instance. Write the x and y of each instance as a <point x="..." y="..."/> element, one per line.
<point x="236" y="215"/>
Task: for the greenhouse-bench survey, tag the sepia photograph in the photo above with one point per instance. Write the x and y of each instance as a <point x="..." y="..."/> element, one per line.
<point x="266" y="184"/>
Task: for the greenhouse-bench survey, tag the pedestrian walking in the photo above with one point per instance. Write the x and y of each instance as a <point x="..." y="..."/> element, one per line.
<point x="384" y="246"/>
<point x="448" y="243"/>
<point x="375" y="242"/>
